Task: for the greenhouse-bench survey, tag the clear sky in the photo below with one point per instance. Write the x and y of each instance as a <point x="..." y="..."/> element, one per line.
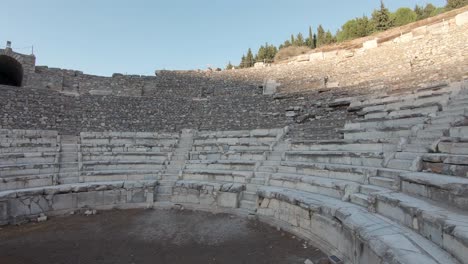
<point x="137" y="37"/>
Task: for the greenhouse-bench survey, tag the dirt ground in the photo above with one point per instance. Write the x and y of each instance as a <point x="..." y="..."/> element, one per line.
<point x="151" y="236"/>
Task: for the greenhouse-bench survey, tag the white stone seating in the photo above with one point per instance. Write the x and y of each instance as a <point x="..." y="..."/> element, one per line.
<point x="125" y="155"/>
<point x="342" y="145"/>
<point x="374" y="159"/>
<point x="448" y="189"/>
<point x="357" y="235"/>
<point x="256" y="155"/>
<point x="408" y="94"/>
<point x="21" y="205"/>
<point x="28" y="158"/>
<point x="218" y="175"/>
<point x="445" y="226"/>
<point x="207" y="194"/>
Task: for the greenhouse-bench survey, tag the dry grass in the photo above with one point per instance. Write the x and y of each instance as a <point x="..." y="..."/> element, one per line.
<point x="291" y="51"/>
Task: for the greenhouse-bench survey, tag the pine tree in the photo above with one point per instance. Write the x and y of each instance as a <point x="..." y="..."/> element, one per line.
<point x="329" y="38"/>
<point x="381" y="18"/>
<point x="242" y="63"/>
<point x="229" y="66"/>
<point x="292" y="39"/>
<point x="299" y="40"/>
<point x="320" y="36"/>
<point x="249" y="59"/>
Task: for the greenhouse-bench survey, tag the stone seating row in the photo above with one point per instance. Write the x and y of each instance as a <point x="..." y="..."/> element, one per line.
<point x="356" y="235"/>
<point x="21" y="205"/>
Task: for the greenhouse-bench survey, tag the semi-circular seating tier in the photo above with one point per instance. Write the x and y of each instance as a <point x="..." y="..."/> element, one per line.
<point x="393" y="190"/>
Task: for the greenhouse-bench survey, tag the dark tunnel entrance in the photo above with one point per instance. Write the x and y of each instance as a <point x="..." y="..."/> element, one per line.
<point x="11" y="71"/>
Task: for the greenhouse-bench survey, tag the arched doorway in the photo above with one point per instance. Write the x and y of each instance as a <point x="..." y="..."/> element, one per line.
<point x="11" y="71"/>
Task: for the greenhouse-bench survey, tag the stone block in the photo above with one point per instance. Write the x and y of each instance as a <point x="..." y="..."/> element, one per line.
<point x="370" y="44"/>
<point x="226" y="199"/>
<point x="64" y="201"/>
<point x="461" y="19"/>
<point x="316" y="56"/>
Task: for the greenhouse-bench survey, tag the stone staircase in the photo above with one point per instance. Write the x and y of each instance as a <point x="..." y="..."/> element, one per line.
<point x="69" y="157"/>
<point x="174" y="167"/>
<point x="262" y="172"/>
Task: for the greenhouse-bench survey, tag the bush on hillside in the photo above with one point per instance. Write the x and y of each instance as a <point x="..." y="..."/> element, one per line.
<point x="291" y="51"/>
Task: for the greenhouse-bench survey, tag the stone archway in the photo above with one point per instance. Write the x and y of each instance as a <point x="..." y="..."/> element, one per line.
<point x="11" y="71"/>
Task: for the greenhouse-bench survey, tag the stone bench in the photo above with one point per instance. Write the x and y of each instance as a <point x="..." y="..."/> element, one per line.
<point x="448" y="164"/>
<point x="230" y="165"/>
<point x="115" y="156"/>
<point x="256" y="133"/>
<point x="20" y="205"/>
<point x="228" y="155"/>
<point x="356" y="235"/>
<point x="341" y="145"/>
<point x="384" y="123"/>
<point x="409" y="111"/>
<point x="30" y="149"/>
<point x="217" y="175"/>
<point x="341" y="189"/>
<point x="123" y="165"/>
<point x="154" y="148"/>
<point x="207" y="194"/>
<point x="120" y="175"/>
<point x="223" y="147"/>
<point x="408" y="103"/>
<point x="27" y="158"/>
<point x="134" y="135"/>
<point x="445" y="227"/>
<point x="27" y="181"/>
<point x="394" y="133"/>
<point x="27" y="169"/>
<point x="450" y="190"/>
<point x="373" y="159"/>
<point x="383" y="177"/>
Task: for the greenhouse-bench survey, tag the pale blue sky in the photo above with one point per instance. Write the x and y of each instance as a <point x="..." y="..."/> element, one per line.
<point x="137" y="37"/>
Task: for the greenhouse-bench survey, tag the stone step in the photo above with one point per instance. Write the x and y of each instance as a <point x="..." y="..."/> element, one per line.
<point x="456" y="112"/>
<point x="68" y="158"/>
<point x="369" y="227"/>
<point x="259" y="181"/>
<point x="459" y="132"/>
<point x="249" y="205"/>
<point x="400" y="164"/>
<point x="457" y="105"/>
<point x="162" y="189"/>
<point x="367" y="189"/>
<point x="382" y="182"/>
<point x="359" y="199"/>
<point x="432" y="133"/>
<point x="438" y="222"/>
<point x="163" y="197"/>
<point x="249" y="196"/>
<point x="446" y="119"/>
<point x="252" y="187"/>
<point x="408" y="155"/>
<point x="270" y="169"/>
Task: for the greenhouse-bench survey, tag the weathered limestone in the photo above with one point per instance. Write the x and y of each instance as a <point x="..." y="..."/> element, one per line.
<point x="359" y="236"/>
<point x="23" y="204"/>
<point x="207" y="194"/>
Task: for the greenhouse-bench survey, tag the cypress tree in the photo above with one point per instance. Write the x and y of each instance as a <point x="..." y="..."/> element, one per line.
<point x="320" y="36"/>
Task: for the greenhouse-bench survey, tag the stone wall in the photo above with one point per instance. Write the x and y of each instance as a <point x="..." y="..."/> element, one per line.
<point x="45" y="109"/>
